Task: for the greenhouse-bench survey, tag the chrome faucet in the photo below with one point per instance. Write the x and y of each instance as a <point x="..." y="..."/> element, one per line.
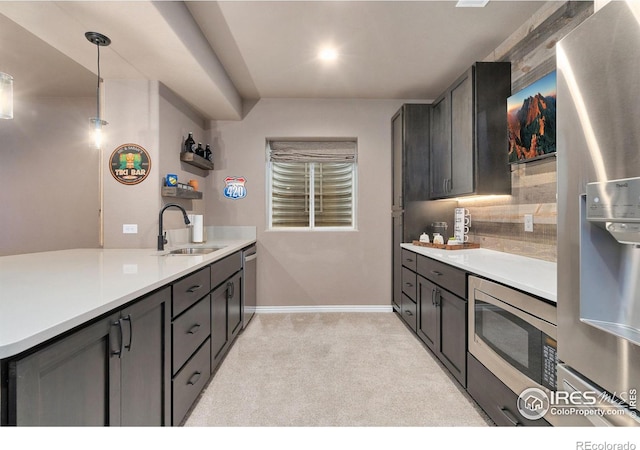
<point x="162" y="239"/>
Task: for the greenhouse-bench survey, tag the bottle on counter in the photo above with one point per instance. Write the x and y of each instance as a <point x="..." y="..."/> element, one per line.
<point x="207" y="153"/>
<point x="200" y="150"/>
<point x="189" y="144"/>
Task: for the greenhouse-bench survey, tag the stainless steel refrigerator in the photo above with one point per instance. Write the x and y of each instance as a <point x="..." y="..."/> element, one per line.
<point x="598" y="156"/>
<point x="411" y="212"/>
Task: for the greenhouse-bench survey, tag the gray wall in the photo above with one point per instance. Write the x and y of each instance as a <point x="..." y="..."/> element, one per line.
<point x="301" y="268"/>
<point x="49" y="172"/>
<point x="148" y="114"/>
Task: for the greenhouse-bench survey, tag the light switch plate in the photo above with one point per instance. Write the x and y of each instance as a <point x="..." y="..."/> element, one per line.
<point x="528" y="222"/>
<point x="130" y="228"/>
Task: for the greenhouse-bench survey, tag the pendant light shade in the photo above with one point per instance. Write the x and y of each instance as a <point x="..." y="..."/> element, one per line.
<point x="6" y="96"/>
<point x="100" y="40"/>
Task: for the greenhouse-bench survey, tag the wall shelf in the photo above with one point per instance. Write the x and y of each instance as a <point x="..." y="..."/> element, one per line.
<point x="173" y="191"/>
<point x="196" y="160"/>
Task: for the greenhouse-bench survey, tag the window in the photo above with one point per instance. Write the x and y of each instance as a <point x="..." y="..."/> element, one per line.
<point x="311" y="184"/>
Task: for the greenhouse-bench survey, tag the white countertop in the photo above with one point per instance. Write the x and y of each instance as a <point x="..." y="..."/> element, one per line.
<point x="534" y="276"/>
<point x="45" y="294"/>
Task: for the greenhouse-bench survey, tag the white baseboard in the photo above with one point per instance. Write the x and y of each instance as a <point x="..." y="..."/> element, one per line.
<point x="323" y="309"/>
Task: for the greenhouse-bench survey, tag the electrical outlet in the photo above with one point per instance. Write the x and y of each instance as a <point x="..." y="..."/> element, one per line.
<point x="528" y="222"/>
<point x="130" y="228"/>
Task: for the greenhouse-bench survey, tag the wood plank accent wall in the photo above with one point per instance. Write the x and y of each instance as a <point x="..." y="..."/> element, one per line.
<point x="497" y="222"/>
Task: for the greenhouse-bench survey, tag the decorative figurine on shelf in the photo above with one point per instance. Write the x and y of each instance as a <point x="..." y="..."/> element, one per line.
<point x="189" y="144"/>
<point x="208" y="155"/>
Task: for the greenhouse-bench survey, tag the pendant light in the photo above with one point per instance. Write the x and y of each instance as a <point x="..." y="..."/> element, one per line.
<point x="6" y="96"/>
<point x="100" y="40"/>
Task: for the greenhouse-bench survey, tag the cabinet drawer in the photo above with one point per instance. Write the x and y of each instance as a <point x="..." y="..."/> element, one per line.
<point x="188" y="383"/>
<point x="224" y="268"/>
<point x="409" y="259"/>
<point x="495" y="398"/>
<point x="189" y="331"/>
<point x="409" y="310"/>
<point x="190" y="289"/>
<point x="452" y="279"/>
<point x="409" y="283"/>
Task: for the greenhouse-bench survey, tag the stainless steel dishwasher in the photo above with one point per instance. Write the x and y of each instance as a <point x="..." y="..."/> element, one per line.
<point x="249" y="277"/>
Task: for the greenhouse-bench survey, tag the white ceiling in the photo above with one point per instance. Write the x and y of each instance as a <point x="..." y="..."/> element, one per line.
<point x="218" y="54"/>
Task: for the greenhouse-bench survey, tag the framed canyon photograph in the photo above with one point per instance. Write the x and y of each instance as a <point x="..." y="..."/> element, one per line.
<point x="531" y="118"/>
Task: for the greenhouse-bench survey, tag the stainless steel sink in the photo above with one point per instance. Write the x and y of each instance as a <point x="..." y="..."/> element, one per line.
<point x="194" y="250"/>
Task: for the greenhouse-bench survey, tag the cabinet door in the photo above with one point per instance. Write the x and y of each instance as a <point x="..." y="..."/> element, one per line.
<point x="453" y="334"/>
<point x="440" y="157"/>
<point x="70" y="382"/>
<point x="145" y="372"/>
<point x="234" y="305"/>
<point x="218" y="325"/>
<point x="428" y="313"/>
<point x="462" y="149"/>
<point x="397" y="161"/>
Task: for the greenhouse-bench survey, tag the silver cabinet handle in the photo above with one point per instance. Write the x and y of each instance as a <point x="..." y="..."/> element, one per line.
<point x="194" y="378"/>
<point x="194" y="288"/>
<point x="510" y="416"/>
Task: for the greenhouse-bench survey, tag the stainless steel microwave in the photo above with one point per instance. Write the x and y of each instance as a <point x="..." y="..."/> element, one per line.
<point x="513" y="335"/>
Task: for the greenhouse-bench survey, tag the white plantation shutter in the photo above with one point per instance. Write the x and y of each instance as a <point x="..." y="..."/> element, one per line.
<point x="312" y="183"/>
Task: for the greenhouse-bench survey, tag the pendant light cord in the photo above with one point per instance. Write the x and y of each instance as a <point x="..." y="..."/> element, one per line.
<point x="98" y="87"/>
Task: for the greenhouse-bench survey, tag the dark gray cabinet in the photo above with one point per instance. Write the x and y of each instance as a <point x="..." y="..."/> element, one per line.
<point x="226" y="306"/>
<point x="225" y="318"/>
<point x="407" y="309"/>
<point x="442" y="313"/>
<point x="495" y="398"/>
<point x="114" y="371"/>
<point x="411" y="211"/>
<point x="468" y="139"/>
<point x="208" y="308"/>
<point x="434" y="306"/>
<point x="410" y="161"/>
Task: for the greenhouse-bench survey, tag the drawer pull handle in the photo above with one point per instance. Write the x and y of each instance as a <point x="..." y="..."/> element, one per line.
<point x="510" y="417"/>
<point x="408" y="284"/>
<point x="194" y="288"/>
<point x="435" y="294"/>
<point x="194" y="378"/>
<point x="408" y="313"/>
<point x="194" y="329"/>
<point x="128" y="319"/>
<point x="409" y="260"/>
<point x="436" y="273"/>
<point x="118" y="353"/>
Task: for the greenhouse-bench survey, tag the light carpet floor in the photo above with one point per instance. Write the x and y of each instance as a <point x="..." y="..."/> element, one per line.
<point x="332" y="369"/>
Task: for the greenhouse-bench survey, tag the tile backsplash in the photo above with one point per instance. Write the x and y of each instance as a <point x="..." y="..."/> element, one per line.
<point x="497" y="222"/>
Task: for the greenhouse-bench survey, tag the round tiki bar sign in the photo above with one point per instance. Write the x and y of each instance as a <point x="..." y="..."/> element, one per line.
<point x="130" y="164"/>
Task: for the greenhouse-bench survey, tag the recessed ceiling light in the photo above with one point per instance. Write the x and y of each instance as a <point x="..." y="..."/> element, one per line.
<point x="328" y="54"/>
<point x="471" y="3"/>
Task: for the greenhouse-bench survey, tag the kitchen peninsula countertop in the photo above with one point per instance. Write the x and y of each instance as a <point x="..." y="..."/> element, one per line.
<point x="43" y="295"/>
<point x="534" y="276"/>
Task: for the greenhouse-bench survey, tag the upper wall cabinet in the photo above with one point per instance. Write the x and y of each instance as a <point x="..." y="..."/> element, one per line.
<point x="410" y="132"/>
<point x="469" y="134"/>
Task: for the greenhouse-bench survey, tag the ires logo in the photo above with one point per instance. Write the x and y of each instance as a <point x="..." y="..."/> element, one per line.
<point x="575" y="398"/>
<point x="534" y="403"/>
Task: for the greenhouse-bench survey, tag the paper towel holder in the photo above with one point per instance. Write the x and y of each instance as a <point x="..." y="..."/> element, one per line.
<point x="197" y="229"/>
